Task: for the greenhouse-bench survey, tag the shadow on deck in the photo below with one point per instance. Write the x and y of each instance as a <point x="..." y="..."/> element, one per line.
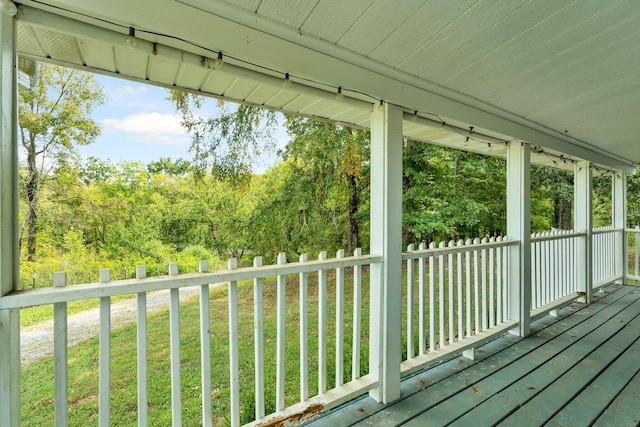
<point x="581" y="369"/>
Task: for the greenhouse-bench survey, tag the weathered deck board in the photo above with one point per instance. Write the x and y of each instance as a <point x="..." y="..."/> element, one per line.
<point x="540" y="393"/>
<point x="354" y="412"/>
<point x="568" y="372"/>
<point x="597" y="396"/>
<point x="624" y="410"/>
<point x="446" y="398"/>
<point x="477" y="392"/>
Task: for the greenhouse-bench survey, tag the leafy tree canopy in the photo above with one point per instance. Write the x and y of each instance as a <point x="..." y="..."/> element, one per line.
<point x="54" y="117"/>
<point x="228" y="142"/>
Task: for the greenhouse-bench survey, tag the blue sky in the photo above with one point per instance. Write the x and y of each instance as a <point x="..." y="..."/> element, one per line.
<point x="139" y="124"/>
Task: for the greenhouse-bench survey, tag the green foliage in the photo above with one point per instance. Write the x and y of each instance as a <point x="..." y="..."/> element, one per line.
<point x="633" y="200"/>
<point x="449" y="194"/>
<point x="96" y="214"/>
<point x="203" y="210"/>
<point x="315" y="194"/>
<point x="53" y="116"/>
<point x="602" y="209"/>
<point x="100" y="215"/>
<point x="165" y="165"/>
<point x="227" y="143"/>
<point x="552" y="199"/>
<point x="54" y="112"/>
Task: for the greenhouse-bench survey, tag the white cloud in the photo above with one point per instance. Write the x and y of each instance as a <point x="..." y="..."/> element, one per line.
<point x="131" y="90"/>
<point x="150" y="127"/>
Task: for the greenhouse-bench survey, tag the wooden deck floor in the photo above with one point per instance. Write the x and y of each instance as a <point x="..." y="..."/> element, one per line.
<point x="581" y="369"/>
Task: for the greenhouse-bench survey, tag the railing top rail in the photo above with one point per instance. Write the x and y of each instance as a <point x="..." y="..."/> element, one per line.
<point x="422" y="253"/>
<point x="556" y="236"/>
<point x="25" y="298"/>
<point x="603" y="230"/>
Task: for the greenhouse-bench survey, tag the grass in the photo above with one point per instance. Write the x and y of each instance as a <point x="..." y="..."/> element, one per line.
<point x="40" y="313"/>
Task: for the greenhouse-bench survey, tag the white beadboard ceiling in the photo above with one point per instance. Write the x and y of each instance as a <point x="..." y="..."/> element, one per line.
<point x="563" y="75"/>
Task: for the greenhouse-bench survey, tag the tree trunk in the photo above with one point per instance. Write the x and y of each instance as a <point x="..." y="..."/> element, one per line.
<point x="562" y="214"/>
<point x="32" y="190"/>
<point x="354" y="230"/>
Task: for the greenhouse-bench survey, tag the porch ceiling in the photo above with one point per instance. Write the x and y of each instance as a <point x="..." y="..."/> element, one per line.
<point x="562" y="75"/>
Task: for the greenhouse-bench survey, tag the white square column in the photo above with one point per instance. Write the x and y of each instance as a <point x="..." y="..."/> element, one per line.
<point x="9" y="318"/>
<point x="583" y="223"/>
<point x="386" y="240"/>
<point x="619" y="222"/>
<point x="519" y="228"/>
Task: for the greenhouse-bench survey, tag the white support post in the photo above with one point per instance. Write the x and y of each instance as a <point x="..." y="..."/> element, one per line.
<point x="258" y="336"/>
<point x="519" y="228"/>
<point x="174" y="350"/>
<point x="386" y="240"/>
<point x="303" y="295"/>
<point x="357" y="316"/>
<point x="281" y="318"/>
<point x="322" y="327"/>
<point x="340" y="322"/>
<point x="9" y="319"/>
<point x="583" y="223"/>
<point x="60" y="356"/>
<point x="104" y="358"/>
<point x="619" y="219"/>
<point x="205" y="348"/>
<point x="141" y="341"/>
<point x="234" y="349"/>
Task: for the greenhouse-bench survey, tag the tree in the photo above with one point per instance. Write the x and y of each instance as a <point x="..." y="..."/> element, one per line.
<point x="54" y="116"/>
<point x="179" y="167"/>
<point x="602" y="208"/>
<point x="229" y="142"/>
<point x="330" y="157"/>
<point x="204" y="210"/>
<point x="96" y="170"/>
<point x="558" y="186"/>
<point x="450" y="194"/>
<point x="633" y="200"/>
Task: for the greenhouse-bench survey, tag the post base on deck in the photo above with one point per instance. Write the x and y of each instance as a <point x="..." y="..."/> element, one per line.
<point x="469" y="353"/>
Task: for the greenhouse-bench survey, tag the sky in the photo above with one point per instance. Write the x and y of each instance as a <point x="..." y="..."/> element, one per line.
<point x="139" y="124"/>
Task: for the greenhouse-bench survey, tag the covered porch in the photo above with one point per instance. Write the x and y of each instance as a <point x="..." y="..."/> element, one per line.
<point x="470" y="82"/>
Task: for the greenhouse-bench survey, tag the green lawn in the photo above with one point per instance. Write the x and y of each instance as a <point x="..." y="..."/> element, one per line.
<point x="41" y="313"/>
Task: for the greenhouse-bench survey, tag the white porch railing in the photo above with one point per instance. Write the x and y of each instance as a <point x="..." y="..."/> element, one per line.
<point x="632" y="263"/>
<point x="553" y="266"/>
<point x="341" y="389"/>
<point x="555" y="257"/>
<point x="604" y="256"/>
<point x="460" y="292"/>
<point x="456" y="298"/>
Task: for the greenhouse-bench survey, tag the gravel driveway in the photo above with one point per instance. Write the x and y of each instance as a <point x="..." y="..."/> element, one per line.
<point x="36" y="341"/>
